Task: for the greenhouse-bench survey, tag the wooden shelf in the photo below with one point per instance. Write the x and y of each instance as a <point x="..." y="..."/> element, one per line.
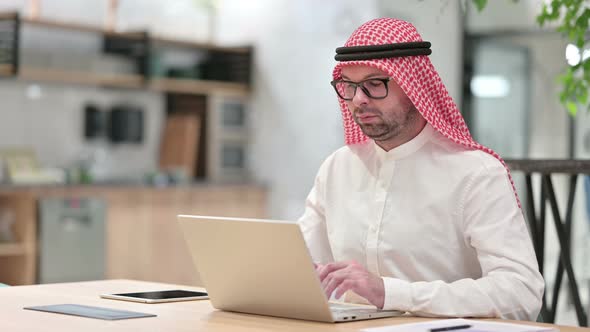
<point x="80" y="77"/>
<point x="192" y="44"/>
<point x="136" y="81"/>
<point x="12" y="249"/>
<point x="18" y="258"/>
<point x="197" y="87"/>
<point x="8" y="15"/>
<point x="48" y="23"/>
<point x="132" y="81"/>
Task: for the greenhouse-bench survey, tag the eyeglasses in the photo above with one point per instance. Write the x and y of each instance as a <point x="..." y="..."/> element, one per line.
<point x="376" y="88"/>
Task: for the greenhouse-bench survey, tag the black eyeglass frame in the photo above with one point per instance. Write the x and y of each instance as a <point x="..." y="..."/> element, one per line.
<point x="385" y="81"/>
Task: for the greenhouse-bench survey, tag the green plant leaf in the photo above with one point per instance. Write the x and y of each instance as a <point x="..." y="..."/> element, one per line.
<point x="543" y="16"/>
<point x="480" y="4"/>
<point x="583" y="97"/>
<point x="572" y="108"/>
<point x="567" y="77"/>
<point x="562" y="97"/>
<point x="573" y="21"/>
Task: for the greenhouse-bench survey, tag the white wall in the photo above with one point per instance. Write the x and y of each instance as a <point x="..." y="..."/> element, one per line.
<point x="177" y="18"/>
<point x="505" y="15"/>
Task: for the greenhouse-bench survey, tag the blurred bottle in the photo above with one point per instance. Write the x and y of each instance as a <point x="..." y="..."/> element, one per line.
<point x="34" y="9"/>
<point x="111" y="19"/>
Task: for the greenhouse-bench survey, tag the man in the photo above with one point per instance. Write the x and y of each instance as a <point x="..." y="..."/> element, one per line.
<point x="412" y="214"/>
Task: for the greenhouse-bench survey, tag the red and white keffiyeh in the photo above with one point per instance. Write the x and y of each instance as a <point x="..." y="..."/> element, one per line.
<point x="417" y="78"/>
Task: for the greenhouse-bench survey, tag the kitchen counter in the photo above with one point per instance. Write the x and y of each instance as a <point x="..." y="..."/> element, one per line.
<point x="142" y="237"/>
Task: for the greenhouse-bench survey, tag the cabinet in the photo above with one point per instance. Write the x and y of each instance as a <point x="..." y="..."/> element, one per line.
<point x="71" y="239"/>
<point x="142" y="238"/>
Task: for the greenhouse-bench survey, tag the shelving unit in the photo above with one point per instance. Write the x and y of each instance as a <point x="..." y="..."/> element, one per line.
<point x="197" y="87"/>
<point x="216" y="82"/>
<point x="190" y="44"/>
<point x="18" y="257"/>
<point x="137" y="45"/>
<point x="48" y="23"/>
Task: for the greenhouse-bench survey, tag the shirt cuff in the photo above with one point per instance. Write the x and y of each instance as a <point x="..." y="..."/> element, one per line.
<point x="398" y="294"/>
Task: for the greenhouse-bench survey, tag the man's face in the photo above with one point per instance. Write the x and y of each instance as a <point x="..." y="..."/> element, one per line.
<point x="383" y="120"/>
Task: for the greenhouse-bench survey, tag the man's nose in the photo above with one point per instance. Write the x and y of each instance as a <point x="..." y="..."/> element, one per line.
<point x="360" y="97"/>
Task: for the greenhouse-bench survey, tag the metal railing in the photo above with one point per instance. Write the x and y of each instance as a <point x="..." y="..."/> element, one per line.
<point x="563" y="226"/>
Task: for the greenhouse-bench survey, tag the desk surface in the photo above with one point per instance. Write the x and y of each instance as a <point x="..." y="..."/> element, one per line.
<point x="177" y="316"/>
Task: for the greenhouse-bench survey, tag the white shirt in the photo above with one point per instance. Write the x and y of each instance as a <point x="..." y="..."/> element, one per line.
<point x="438" y="222"/>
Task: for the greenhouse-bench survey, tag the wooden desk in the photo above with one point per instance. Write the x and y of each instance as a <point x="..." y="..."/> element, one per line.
<point x="178" y="316"/>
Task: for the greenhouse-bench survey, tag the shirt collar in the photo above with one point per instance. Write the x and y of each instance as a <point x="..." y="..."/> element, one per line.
<point x="407" y="148"/>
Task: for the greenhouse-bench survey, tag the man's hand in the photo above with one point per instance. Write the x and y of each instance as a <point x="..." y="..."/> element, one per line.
<point x="344" y="276"/>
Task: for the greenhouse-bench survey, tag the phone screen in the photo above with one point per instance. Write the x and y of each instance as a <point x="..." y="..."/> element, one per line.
<point x="162" y="295"/>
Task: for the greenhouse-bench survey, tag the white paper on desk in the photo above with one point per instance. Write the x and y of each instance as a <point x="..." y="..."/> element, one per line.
<point x="476" y="326"/>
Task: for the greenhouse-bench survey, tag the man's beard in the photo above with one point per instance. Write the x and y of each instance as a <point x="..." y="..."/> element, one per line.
<point x="385" y="129"/>
<point x="379" y="131"/>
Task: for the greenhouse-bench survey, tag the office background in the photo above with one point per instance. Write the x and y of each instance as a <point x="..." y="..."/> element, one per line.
<point x="498" y="65"/>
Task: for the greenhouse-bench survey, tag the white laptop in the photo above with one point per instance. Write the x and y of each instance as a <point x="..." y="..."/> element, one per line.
<point x="263" y="267"/>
